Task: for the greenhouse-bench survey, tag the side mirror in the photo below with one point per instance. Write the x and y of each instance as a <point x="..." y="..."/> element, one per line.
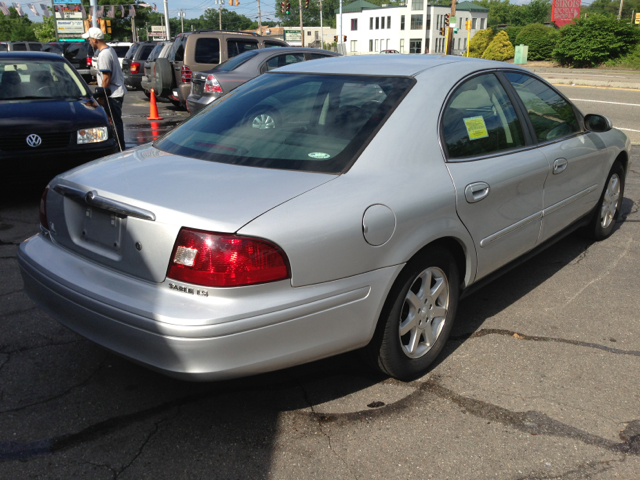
<point x="597" y="123"/>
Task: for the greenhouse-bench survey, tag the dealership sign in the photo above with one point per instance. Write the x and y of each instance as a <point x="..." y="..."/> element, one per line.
<point x="564" y="11"/>
<point x="70" y="27"/>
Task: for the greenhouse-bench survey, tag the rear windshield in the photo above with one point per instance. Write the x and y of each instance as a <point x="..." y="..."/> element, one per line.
<point x="235" y="62"/>
<point x="155" y="52"/>
<point x="3" y="47"/>
<point x="146" y="50"/>
<point x="316" y="123"/>
<point x="121" y="51"/>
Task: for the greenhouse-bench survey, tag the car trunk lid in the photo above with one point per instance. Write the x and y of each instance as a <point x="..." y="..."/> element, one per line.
<point x="125" y="211"/>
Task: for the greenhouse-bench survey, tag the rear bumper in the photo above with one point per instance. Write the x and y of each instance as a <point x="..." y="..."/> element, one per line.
<point x="146" y="83"/>
<point x="230" y="333"/>
<point x="183" y="92"/>
<point x="195" y="105"/>
<point x="132" y="81"/>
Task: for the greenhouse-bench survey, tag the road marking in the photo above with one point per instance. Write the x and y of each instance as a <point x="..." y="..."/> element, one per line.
<point x="602" y="101"/>
<point x="627" y="129"/>
<point x="590" y="86"/>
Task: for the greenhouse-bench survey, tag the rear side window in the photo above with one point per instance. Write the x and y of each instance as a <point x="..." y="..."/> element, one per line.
<point x="272" y="45"/>
<point x="236" y="47"/>
<point x="306" y="122"/>
<point x="145" y="51"/>
<point x="316" y="56"/>
<point x="207" y="50"/>
<point x="3" y="47"/>
<point x="479" y="119"/>
<point x="19" y="47"/>
<point x="282" y="60"/>
<point x="132" y="51"/>
<point x="36" y="47"/>
<point x="552" y="117"/>
<point x="155" y="52"/>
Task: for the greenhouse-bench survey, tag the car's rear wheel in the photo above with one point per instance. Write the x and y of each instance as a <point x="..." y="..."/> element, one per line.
<point x="147" y="93"/>
<point x="608" y="208"/>
<point x="417" y="317"/>
<point x="263" y="118"/>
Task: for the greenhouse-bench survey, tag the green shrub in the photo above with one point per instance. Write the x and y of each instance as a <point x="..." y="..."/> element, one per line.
<point x="513" y="33"/>
<point x="593" y="40"/>
<point x="500" y="48"/>
<point x="541" y="40"/>
<point x="630" y="60"/>
<point x="480" y="42"/>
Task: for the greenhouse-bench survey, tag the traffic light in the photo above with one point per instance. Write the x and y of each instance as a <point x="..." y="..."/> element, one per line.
<point x="455" y="30"/>
<point x="237" y="3"/>
<point x="442" y="31"/>
<point x="282" y="7"/>
<point x="103" y="25"/>
<point x="335" y="38"/>
<point x="446" y="20"/>
<point x="288" y="10"/>
<point x="108" y="26"/>
<point x="467" y="24"/>
<point x="344" y="39"/>
<point x="231" y="3"/>
<point x="306" y="4"/>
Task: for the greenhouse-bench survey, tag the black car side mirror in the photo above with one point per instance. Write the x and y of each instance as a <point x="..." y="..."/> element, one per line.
<point x="597" y="123"/>
<point x="102" y="92"/>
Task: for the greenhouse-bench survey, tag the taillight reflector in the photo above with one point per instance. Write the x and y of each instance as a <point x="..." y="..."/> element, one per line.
<point x="89" y="61"/>
<point x="43" y="209"/>
<point x="221" y="260"/>
<point x="135" y="67"/>
<point x="186" y="74"/>
<point x="211" y="85"/>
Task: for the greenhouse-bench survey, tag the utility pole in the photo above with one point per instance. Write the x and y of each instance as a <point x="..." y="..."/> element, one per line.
<point x="340" y="31"/>
<point x="259" y="19"/>
<point x="447" y="48"/>
<point x="166" y="20"/>
<point x="301" y="31"/>
<point x="321" y="29"/>
<point x="94" y="17"/>
<point x="620" y="11"/>
<point x="220" y="14"/>
<point x="134" y="32"/>
<point x="182" y="20"/>
<point x="55" y="20"/>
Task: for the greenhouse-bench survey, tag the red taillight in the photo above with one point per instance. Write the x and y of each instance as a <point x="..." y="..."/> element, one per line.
<point x="89" y="61"/>
<point x="220" y="260"/>
<point x="211" y="85"/>
<point x="43" y="209"/>
<point x="186" y="74"/>
<point x="135" y="67"/>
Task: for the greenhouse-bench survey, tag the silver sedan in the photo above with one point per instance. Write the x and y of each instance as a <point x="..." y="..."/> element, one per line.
<point x="382" y="190"/>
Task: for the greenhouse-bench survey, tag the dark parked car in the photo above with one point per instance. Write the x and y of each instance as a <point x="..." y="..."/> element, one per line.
<point x="121" y="48"/>
<point x="20" y="46"/>
<point x="80" y="55"/>
<point x="212" y="84"/>
<point x="49" y="121"/>
<point x="133" y="63"/>
<point x="162" y="50"/>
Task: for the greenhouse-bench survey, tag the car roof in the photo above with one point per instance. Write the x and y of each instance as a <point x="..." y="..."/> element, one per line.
<point x="400" y="65"/>
<point x="275" y="50"/>
<point x="31" y="56"/>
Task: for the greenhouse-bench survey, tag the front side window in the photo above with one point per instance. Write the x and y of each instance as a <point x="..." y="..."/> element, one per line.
<point x="308" y="122"/>
<point x="416" y="22"/>
<point x="479" y="119"/>
<point x="550" y="114"/>
<point x="208" y="50"/>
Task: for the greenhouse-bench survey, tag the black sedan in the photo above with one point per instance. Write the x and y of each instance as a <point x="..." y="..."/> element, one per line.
<point x="49" y="121"/>
<point x="214" y="83"/>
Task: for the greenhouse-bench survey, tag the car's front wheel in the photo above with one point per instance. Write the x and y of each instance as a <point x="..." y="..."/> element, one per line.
<point x="608" y="208"/>
<point x="417" y="316"/>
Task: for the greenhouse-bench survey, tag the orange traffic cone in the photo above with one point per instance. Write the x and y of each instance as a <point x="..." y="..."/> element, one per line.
<point x="153" y="108"/>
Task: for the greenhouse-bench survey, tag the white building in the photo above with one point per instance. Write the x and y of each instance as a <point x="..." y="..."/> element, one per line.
<point x="311" y="36"/>
<point x="410" y="28"/>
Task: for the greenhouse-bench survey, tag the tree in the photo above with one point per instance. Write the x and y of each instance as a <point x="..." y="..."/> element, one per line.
<point x="502" y="12"/>
<point x="590" y="41"/>
<point x="45" y="31"/>
<point x="500" y="48"/>
<point x="479" y="42"/>
<point x="15" y="27"/>
<point x="540" y="39"/>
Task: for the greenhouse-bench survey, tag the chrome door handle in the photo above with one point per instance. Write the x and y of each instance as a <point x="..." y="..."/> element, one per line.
<point x="560" y="165"/>
<point x="474" y="192"/>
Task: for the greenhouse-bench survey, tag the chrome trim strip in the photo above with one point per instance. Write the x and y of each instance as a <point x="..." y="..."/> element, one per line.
<point x="486" y="241"/>
<point x="567" y="201"/>
<point x="92" y="198"/>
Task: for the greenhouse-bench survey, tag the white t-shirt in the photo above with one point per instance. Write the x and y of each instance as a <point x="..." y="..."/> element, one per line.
<point x="108" y="63"/>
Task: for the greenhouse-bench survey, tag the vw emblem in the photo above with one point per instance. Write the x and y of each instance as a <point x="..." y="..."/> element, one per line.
<point x="34" y="140"/>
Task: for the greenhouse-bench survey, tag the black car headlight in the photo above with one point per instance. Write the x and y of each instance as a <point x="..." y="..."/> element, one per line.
<point x="93" y="135"/>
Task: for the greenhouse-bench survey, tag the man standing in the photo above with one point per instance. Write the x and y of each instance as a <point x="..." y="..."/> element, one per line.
<point x="109" y="76"/>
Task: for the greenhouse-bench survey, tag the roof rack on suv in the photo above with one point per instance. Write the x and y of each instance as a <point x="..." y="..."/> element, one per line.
<point x="227" y="31"/>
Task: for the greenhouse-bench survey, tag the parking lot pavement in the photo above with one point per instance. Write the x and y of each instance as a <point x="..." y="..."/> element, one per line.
<point x="539" y="380"/>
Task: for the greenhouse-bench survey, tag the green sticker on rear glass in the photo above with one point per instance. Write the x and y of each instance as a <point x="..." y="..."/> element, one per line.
<point x="476" y="128"/>
<point x="321" y="155"/>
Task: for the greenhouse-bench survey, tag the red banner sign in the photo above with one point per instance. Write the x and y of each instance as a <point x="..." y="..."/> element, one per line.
<point x="564" y="11"/>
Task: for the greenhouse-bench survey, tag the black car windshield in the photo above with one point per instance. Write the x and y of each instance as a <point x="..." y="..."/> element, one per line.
<point x="308" y="122"/>
<point x="27" y="79"/>
<point x="236" y="61"/>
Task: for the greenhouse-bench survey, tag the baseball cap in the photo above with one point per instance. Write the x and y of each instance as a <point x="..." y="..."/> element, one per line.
<point x="94" y="32"/>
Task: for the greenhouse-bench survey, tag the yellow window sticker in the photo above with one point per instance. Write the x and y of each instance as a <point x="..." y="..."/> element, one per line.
<point x="476" y="128"/>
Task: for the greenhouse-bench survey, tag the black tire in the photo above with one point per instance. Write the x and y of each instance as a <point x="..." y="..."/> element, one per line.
<point x="388" y="350"/>
<point x="147" y="93"/>
<point x="608" y="208"/>
<point x="164" y="77"/>
<point x="264" y="118"/>
<point x="175" y="103"/>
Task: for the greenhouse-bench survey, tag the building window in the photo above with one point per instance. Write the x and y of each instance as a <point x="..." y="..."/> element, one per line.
<point x="377" y="45"/>
<point x="426" y="46"/>
<point x="308" y="32"/>
<point x="416" y="22"/>
<point x="402" y="45"/>
<point x="415" y="45"/>
<point x="473" y="23"/>
<point x="354" y="24"/>
<point x="389" y="22"/>
<point x="401" y="22"/>
<point x="459" y="43"/>
<point x="465" y="43"/>
<point x="382" y="22"/>
<point x="371" y="23"/>
<point x="371" y="45"/>
<point x="417" y="4"/>
<point x="354" y="45"/>
<point x="428" y="22"/>
<point x="377" y="23"/>
<point x="482" y="23"/>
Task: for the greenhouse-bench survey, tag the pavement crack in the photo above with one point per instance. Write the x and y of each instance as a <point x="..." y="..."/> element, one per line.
<point x="17" y="312"/>
<point x="27" y="349"/>
<point x="535" y="338"/>
<point x="584" y="471"/>
<point x="320" y="418"/>
<point x="2" y="242"/>
<point x="10" y="293"/>
<point x="537" y="423"/>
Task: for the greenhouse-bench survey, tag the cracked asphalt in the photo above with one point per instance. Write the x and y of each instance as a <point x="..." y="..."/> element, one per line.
<point x="538" y="381"/>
